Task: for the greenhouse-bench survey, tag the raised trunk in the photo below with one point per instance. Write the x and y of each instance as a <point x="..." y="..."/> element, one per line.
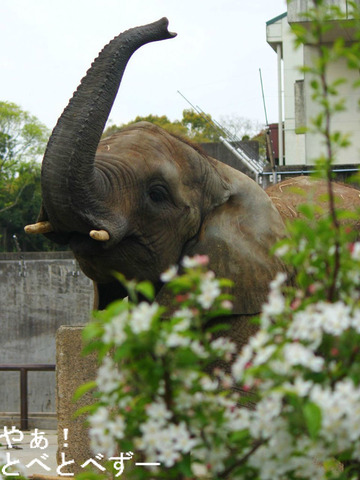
<point x="69" y="178"/>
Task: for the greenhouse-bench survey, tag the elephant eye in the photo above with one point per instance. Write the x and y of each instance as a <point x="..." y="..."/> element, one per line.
<point x="158" y="194"/>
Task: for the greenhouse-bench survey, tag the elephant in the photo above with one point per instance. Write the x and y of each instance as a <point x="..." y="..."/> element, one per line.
<point x="286" y="197"/>
<point x="142" y="199"/>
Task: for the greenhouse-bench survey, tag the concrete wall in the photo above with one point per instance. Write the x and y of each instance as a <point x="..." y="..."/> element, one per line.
<point x="39" y="292"/>
<point x="223" y="154"/>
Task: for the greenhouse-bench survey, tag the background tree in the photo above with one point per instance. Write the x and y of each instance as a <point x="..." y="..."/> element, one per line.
<point x="245" y="129"/>
<point x="241" y="127"/>
<point x="176" y="128"/>
<point x="194" y="126"/>
<point x="200" y="128"/>
<point x="23" y="140"/>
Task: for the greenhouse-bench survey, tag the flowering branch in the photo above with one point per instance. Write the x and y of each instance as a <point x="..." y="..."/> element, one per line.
<point x="243" y="460"/>
<point x="302" y="366"/>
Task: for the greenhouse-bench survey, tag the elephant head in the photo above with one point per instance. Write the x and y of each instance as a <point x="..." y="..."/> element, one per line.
<point x="138" y="201"/>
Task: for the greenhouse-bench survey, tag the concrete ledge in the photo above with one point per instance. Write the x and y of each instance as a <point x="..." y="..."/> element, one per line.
<point x="41" y="420"/>
<point x="72" y="370"/>
<point x="5" y="256"/>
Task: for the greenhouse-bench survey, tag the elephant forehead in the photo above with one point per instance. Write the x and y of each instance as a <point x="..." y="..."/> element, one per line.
<point x="133" y="167"/>
<point x="136" y="138"/>
<point x="141" y="163"/>
<point x="145" y="141"/>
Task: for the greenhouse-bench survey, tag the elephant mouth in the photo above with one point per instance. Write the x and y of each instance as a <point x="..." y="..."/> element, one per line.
<point x="82" y="244"/>
<point x="130" y="256"/>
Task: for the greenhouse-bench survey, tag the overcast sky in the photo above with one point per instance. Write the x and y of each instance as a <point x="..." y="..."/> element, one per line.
<point x="47" y="46"/>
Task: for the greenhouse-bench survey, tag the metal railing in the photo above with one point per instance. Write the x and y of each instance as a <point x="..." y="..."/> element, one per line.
<point x="24" y="369"/>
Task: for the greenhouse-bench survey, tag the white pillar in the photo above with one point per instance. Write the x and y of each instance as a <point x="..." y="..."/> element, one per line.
<point x="280" y="106"/>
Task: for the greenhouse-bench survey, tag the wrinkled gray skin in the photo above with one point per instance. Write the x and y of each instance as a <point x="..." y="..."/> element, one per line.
<point x="157" y="196"/>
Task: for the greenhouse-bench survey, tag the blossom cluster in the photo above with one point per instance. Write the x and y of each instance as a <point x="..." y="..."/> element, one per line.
<point x="303" y="363"/>
<point x="166" y="441"/>
<point x="156" y="377"/>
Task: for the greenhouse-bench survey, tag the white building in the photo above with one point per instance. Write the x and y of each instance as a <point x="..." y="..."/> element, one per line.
<point x="296" y="107"/>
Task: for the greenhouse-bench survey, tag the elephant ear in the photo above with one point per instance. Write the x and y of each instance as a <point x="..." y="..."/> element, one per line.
<point x="237" y="236"/>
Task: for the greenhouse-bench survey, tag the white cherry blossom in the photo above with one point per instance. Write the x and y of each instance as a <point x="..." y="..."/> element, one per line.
<point x="274" y="306"/>
<point x="142" y="316"/>
<point x="195" y="261"/>
<point x="297" y="354"/>
<point x="108" y="376"/>
<point x="224" y="345"/>
<point x="169" y="274"/>
<point x="355" y="252"/>
<point x="209" y="291"/>
<point x="158" y="411"/>
<point x="114" y="330"/>
<point x="176" y="340"/>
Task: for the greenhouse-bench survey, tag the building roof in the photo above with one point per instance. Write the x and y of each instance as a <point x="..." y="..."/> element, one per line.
<point x="279" y="17"/>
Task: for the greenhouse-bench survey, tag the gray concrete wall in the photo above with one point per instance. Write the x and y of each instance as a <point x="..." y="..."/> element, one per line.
<point x="220" y="152"/>
<point x="39" y="292"/>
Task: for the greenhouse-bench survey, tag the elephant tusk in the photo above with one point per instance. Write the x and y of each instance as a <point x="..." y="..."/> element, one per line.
<point x="100" y="235"/>
<point x="40" y="227"/>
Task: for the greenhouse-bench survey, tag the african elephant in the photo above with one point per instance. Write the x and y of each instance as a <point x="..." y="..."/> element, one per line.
<point x="141" y="199"/>
<point x="286" y="197"/>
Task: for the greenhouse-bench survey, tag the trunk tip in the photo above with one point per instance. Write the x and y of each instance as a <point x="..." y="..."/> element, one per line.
<point x="165" y="22"/>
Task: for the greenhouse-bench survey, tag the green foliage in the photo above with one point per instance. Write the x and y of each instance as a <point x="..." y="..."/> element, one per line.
<point x="175" y="128"/>
<point x="22" y="138"/>
<point x="312" y="415"/>
<point x="192" y="125"/>
<point x="200" y="127"/>
<point x="22" y="142"/>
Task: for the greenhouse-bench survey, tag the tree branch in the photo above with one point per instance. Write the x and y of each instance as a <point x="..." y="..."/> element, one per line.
<point x="242" y="460"/>
<point x="4" y="209"/>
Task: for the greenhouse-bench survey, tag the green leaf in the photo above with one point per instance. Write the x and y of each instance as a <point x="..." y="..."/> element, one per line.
<point x="86" y="387"/>
<point x="181" y="284"/>
<point x="93" y="346"/>
<point x="123" y="351"/>
<point x="239" y="436"/>
<point x="88" y="475"/>
<point x="120" y="277"/>
<point x="219" y="327"/>
<point x="333" y="466"/>
<point x="312" y="415"/>
<point x="314" y="84"/>
<point x="92" y="330"/>
<point x="225" y="282"/>
<point x="307" y="210"/>
<point x="147" y="289"/>
<point x="87" y="409"/>
<point x="185" y="466"/>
